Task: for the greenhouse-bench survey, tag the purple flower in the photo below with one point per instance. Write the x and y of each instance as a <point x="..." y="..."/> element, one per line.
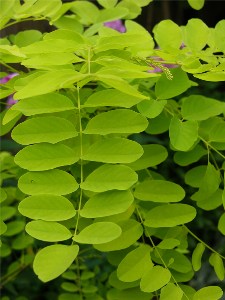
<point x="10" y="101"/>
<point x="116" y="25"/>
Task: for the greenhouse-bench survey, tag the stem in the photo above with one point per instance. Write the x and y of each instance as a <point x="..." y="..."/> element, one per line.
<point x="206" y="245"/>
<point x="9" y="67"/>
<point x="209" y="145"/>
<point x="23" y="20"/>
<point x="81" y="155"/>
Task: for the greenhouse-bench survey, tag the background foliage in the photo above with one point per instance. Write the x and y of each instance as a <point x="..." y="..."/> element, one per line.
<point x="119" y="160"/>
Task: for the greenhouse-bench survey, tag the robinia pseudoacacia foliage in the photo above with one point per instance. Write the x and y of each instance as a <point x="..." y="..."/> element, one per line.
<point x="84" y="182"/>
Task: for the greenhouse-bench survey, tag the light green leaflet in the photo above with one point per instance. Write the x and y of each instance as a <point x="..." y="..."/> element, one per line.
<point x="3" y="227"/>
<point x="114" y="150"/>
<point x="196" y="4"/>
<point x="154" y="279"/>
<point x="159" y="191"/>
<point x="131" y="232"/>
<point x="221" y="224"/>
<point x="43" y="104"/>
<point x="170" y="215"/>
<point x="107" y="204"/>
<point x="151" y="108"/>
<point x="197" y="108"/>
<point x="116" y="121"/>
<point x="209" y="292"/>
<point x="45" y="157"/>
<point x="217" y="262"/>
<point x="111" y="97"/>
<point x="55" y="182"/>
<point x="183" y="135"/>
<point x="135" y="264"/>
<point x="196" y="34"/>
<point x="52" y="261"/>
<point x="128" y="294"/>
<point x="154" y="154"/>
<point x="48" y="231"/>
<point x="47" y="208"/>
<point x="110" y="177"/>
<point x="43" y="129"/>
<point x="171" y="292"/>
<point x="197" y="256"/>
<point x="98" y="233"/>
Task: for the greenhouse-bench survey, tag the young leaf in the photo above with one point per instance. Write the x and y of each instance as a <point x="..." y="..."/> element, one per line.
<point x="114" y="150"/>
<point x="154" y="279"/>
<point x="98" y="233"/>
<point x="47" y="208"/>
<point x="50" y="262"/>
<point x="131" y="232"/>
<point x="197" y="256"/>
<point x="44" y="104"/>
<point x="196" y="4"/>
<point x="169" y="243"/>
<point x="166" y="89"/>
<point x="45" y="157"/>
<point x="43" y="129"/>
<point x="154" y="154"/>
<point x="217" y="262"/>
<point x="169" y="215"/>
<point x="135" y="264"/>
<point x="209" y="292"/>
<point x="107" y="204"/>
<point x="183" y="135"/>
<point x="159" y="191"/>
<point x="48" y="231"/>
<point x="197" y="108"/>
<point x="116" y="121"/>
<point x="151" y="108"/>
<point x="171" y="292"/>
<point x="196" y="34"/>
<point x="110" y="177"/>
<point x="55" y="182"/>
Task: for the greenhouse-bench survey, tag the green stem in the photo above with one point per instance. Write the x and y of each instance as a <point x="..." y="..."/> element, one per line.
<point x="206" y="245"/>
<point x="23" y="20"/>
<point x="9" y="67"/>
<point x="213" y="148"/>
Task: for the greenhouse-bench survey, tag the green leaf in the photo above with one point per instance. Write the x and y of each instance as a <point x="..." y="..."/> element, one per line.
<point x="169" y="243"/>
<point x="116" y="121"/>
<point x="48" y="231"/>
<point x="219" y="36"/>
<point x="196" y="34"/>
<point x="166" y="89"/>
<point x="151" y="108"/>
<point x="128" y="294"/>
<point x="48" y="103"/>
<point x="107" y="204"/>
<point x="11" y="116"/>
<point x="168" y="35"/>
<point x="7" y="212"/>
<point x="197" y="256"/>
<point x="3" y="227"/>
<point x="154" y="154"/>
<point x="171" y="292"/>
<point x="109" y="177"/>
<point x="55" y="182"/>
<point x="209" y="184"/>
<point x="11" y="50"/>
<point x="211" y="76"/>
<point x="27" y="37"/>
<point x="41" y="61"/>
<point x="135" y="264"/>
<point x="43" y="129"/>
<point x="217" y="262"/>
<point x="69" y="22"/>
<point x="197" y="108"/>
<point x="8" y="126"/>
<point x="221" y="224"/>
<point x="169" y="215"/>
<point x="118" y="84"/>
<point x="209" y="292"/>
<point x="98" y="233"/>
<point x="3" y="195"/>
<point x="114" y="150"/>
<point x="107" y="3"/>
<point x="66" y="35"/>
<point x="45" y="156"/>
<point x="87" y="12"/>
<point x="49" y="82"/>
<point x="47" y="208"/>
<point x="183" y="135"/>
<point x="187" y="158"/>
<point x="196" y="4"/>
<point x="131" y="232"/>
<point x="159" y="191"/>
<point x="217" y="133"/>
<point x="133" y="8"/>
<point x="110" y="97"/>
<point x="154" y="279"/>
<point x="50" y="262"/>
<point x="111" y="13"/>
<point x="211" y="202"/>
<point x="14" y="227"/>
<point x="120" y="285"/>
<point x="194" y="176"/>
